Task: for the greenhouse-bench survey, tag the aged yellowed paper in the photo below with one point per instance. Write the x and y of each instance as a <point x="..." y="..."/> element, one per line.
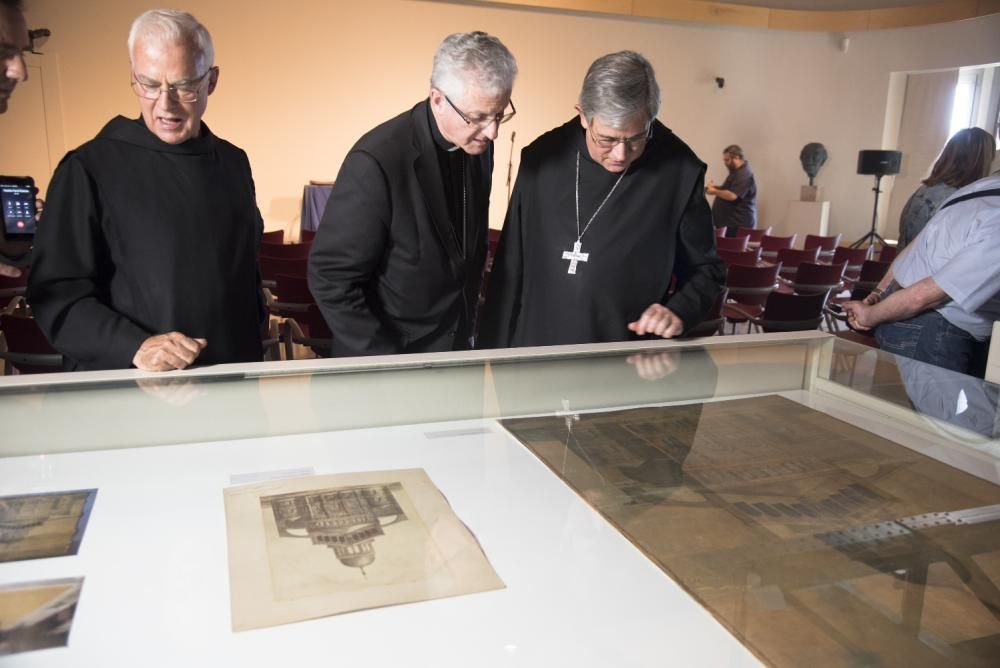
<point x="325" y="545"/>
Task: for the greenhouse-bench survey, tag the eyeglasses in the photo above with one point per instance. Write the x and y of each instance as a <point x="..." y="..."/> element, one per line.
<point x="484" y="121"/>
<point x="36" y="38"/>
<point x="187" y="92"/>
<point x="633" y="143"/>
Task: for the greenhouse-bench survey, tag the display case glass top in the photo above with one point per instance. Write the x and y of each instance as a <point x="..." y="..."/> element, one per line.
<point x="696" y="499"/>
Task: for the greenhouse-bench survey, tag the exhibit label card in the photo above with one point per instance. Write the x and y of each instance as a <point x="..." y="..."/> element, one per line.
<point x="37" y="615"/>
<point x="325" y="545"/>
<point x="36" y="526"/>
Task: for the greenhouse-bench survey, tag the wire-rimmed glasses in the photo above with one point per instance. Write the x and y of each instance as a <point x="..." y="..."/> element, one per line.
<point x="186" y="92"/>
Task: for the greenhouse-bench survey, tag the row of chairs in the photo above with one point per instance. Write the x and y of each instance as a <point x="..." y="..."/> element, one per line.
<point x="760" y="296"/>
<point x="768" y="245"/>
<point x="777" y="287"/>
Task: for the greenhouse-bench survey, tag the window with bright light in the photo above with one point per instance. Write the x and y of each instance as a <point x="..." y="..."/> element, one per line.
<point x="964" y="104"/>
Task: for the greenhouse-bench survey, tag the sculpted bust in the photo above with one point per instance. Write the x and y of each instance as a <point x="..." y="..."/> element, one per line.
<point x="813" y="156"/>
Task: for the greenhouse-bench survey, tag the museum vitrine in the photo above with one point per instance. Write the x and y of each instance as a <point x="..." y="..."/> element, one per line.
<point x="782" y="500"/>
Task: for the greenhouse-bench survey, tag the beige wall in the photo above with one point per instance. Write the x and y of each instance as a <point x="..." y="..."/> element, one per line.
<point x="301" y="81"/>
<point x="923" y="131"/>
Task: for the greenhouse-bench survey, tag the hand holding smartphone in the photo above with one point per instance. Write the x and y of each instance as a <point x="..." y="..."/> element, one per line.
<point x="17" y="197"/>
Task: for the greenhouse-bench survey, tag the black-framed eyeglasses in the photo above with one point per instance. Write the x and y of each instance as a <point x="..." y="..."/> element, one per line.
<point x="633" y="143"/>
<point x="484" y="121"/>
<point x="186" y="92"/>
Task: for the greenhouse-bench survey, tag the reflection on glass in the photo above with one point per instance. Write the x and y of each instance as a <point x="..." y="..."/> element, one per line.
<point x="958" y="399"/>
<point x="961" y="400"/>
<point x="814" y="542"/>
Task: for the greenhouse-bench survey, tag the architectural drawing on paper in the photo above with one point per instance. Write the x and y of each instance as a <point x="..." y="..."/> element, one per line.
<point x="345" y="520"/>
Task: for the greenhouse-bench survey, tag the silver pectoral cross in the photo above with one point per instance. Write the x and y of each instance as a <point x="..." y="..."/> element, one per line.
<point x="575" y="256"/>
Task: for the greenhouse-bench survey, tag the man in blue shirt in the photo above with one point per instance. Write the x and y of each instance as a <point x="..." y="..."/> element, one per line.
<point x="944" y="293"/>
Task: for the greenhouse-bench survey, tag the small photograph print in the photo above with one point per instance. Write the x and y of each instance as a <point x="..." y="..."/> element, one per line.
<point x="37" y="526"/>
<point x="37" y="615"/>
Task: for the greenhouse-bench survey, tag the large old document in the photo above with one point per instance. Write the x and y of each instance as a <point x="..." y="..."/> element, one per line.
<point x="814" y="542"/>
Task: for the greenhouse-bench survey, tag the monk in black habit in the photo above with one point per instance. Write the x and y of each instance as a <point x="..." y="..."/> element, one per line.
<point x="605" y="209"/>
<point x="146" y="254"/>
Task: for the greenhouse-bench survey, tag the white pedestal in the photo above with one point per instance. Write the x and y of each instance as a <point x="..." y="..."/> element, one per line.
<point x="805" y="218"/>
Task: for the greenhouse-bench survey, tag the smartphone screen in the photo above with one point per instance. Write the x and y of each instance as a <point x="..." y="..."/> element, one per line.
<point x="18" y="201"/>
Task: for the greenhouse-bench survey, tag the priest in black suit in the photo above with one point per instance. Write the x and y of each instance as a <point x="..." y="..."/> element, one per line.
<point x="606" y="208"/>
<point x="146" y="254"/>
<point x="397" y="262"/>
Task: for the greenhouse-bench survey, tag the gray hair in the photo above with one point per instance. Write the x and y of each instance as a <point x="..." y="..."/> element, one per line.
<point x="174" y="27"/>
<point x="617" y="87"/>
<point x="737" y="152"/>
<point x="474" y="56"/>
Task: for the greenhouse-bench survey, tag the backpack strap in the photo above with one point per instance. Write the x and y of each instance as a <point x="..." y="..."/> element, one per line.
<point x="981" y="193"/>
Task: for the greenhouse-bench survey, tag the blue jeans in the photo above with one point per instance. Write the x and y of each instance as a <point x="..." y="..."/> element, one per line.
<point x="928" y="337"/>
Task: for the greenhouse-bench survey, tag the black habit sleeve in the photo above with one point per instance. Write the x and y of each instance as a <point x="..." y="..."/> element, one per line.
<point x="347" y="251"/>
<point x="71" y="258"/>
<point x="503" y="291"/>
<point x="699" y="270"/>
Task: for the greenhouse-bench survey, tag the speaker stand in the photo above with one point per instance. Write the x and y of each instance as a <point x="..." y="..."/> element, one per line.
<point x="872" y="237"/>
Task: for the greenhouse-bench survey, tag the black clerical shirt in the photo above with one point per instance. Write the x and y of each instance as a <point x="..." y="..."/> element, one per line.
<point x="451" y="161"/>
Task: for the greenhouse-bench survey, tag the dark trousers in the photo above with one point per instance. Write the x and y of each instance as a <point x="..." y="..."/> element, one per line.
<point x="928" y="337"/>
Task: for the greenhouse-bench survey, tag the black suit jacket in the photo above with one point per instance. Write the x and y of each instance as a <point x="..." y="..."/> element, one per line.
<point x="387" y="267"/>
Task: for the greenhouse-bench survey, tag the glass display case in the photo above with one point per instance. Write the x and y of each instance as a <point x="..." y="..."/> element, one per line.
<point x="787" y="500"/>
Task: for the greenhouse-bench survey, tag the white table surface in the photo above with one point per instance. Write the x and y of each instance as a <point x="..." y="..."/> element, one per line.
<point x="156" y="591"/>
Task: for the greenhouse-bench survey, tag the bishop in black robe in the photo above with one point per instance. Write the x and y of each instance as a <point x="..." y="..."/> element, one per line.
<point x="396" y="266"/>
<point x="140" y="237"/>
<point x="655" y="225"/>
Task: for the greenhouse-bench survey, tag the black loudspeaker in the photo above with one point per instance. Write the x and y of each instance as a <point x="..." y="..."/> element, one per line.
<point x="879" y="163"/>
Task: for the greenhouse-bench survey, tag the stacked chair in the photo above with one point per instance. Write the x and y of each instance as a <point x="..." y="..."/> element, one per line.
<point x="887" y="254"/>
<point x="770" y="245"/>
<point x="749" y="287"/>
<point x="855" y="257"/>
<point x="12" y="288"/>
<point x="732" y="243"/>
<point x="827" y="245"/>
<point x="749" y="257"/>
<point x="786" y="312"/>
<point x="302" y="321"/>
<point x="755" y="235"/>
<point x="791" y="258"/>
<point x="23" y="347"/>
<point x="274" y="237"/>
<point x="293" y="309"/>
<point x="713" y="322"/>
